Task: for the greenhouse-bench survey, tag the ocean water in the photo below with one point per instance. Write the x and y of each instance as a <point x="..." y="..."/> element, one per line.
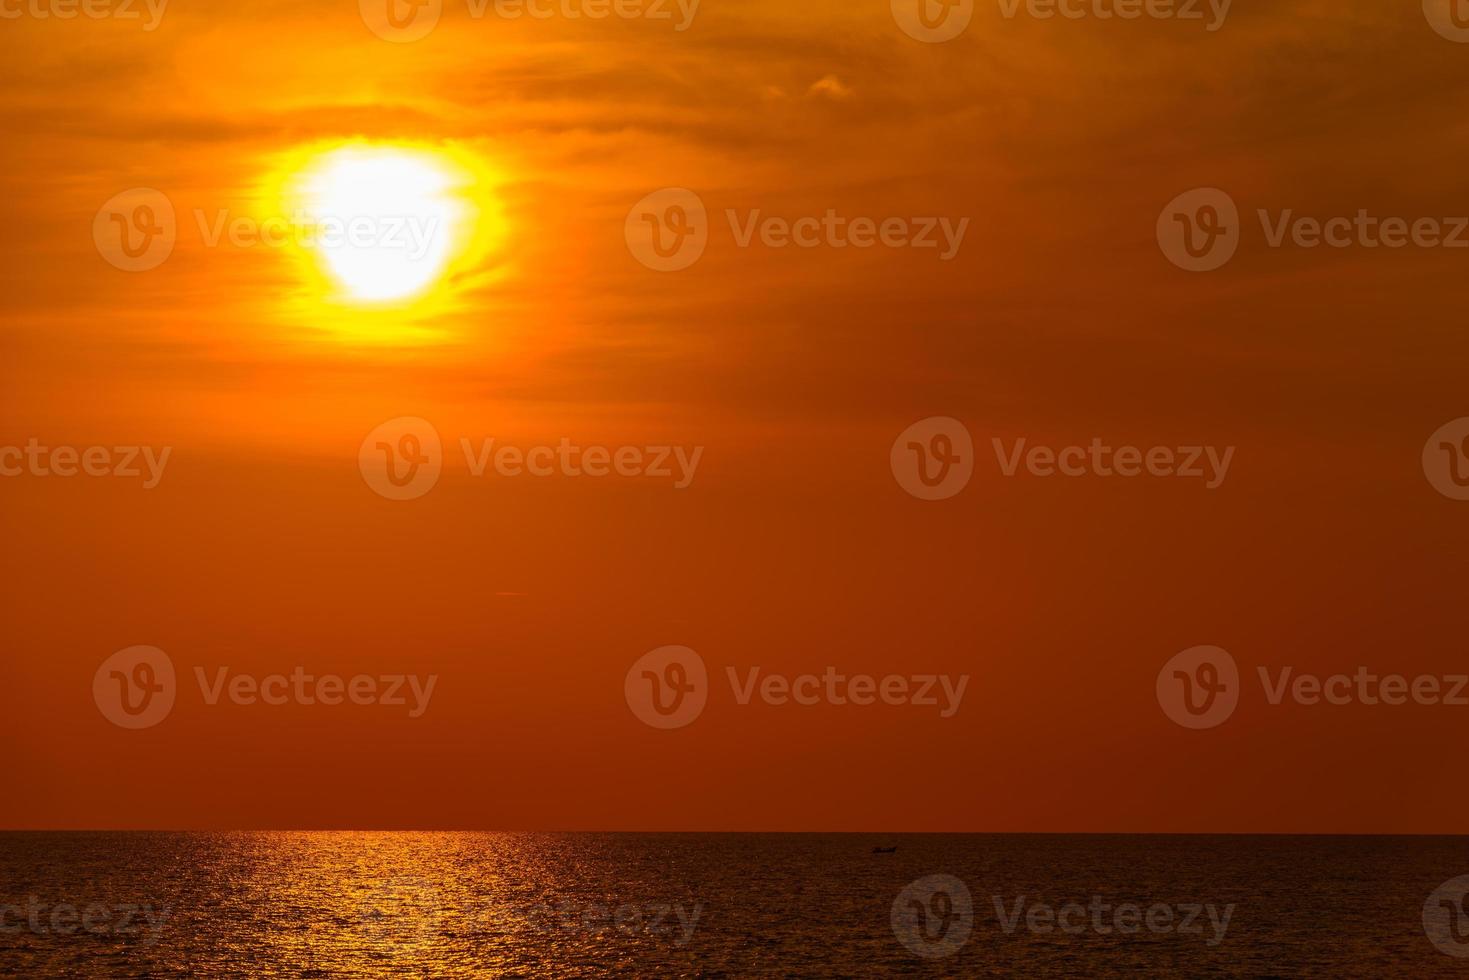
<point x="273" y="905"/>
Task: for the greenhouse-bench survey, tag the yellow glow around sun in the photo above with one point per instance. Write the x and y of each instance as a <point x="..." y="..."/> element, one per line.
<point x="389" y="235"/>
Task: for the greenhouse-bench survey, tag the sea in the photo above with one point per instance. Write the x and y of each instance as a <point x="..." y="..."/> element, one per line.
<point x="470" y="904"/>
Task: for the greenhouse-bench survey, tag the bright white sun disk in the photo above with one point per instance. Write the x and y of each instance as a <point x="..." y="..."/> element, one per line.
<point x="383" y="221"/>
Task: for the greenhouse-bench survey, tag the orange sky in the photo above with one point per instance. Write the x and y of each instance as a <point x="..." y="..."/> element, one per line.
<point x="1058" y="320"/>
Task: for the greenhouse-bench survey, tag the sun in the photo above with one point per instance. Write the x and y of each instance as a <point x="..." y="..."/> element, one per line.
<point x="390" y="242"/>
<point x="383" y="222"/>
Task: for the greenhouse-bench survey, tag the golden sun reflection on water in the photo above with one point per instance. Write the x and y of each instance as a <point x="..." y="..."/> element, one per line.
<point x="371" y="904"/>
<point x="362" y="904"/>
<point x="272" y="906"/>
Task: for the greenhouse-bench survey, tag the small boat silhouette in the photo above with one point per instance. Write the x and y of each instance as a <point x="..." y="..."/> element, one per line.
<point x="885" y="850"/>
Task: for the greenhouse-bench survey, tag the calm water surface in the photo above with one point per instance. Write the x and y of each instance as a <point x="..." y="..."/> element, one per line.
<point x="272" y="905"/>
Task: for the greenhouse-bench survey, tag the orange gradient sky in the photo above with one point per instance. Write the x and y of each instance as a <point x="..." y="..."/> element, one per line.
<point x="1058" y="321"/>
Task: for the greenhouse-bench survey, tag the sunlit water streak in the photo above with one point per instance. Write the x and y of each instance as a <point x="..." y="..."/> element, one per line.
<point x="275" y="905"/>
